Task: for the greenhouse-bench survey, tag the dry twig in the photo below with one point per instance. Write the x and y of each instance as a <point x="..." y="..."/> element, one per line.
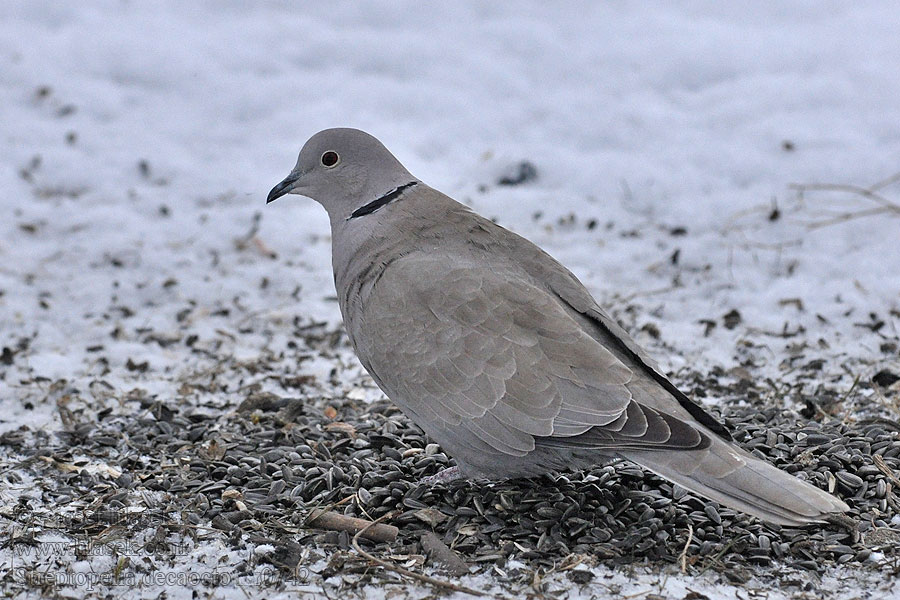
<point x="869" y="193"/>
<point x="324" y="519"/>
<point x="682" y="558"/>
<point x="447" y="585"/>
<point x="882" y="466"/>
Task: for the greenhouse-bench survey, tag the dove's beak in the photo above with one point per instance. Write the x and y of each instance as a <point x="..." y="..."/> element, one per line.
<point x="283" y="188"/>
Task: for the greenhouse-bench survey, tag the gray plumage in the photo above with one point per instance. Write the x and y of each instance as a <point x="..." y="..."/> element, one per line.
<point x="499" y="353"/>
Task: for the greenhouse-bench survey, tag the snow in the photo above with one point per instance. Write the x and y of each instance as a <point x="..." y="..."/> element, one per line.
<point x="140" y="139"/>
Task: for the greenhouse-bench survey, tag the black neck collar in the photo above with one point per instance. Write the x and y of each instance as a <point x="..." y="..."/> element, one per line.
<point x="374" y="205"/>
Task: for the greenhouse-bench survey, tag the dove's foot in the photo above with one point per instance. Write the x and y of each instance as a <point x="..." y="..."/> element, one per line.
<point x="444" y="476"/>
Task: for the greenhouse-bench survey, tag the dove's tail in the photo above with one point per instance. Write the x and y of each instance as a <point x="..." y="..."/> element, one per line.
<point x="736" y="479"/>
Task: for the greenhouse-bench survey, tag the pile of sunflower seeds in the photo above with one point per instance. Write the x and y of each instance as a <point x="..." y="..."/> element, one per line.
<point x="253" y="475"/>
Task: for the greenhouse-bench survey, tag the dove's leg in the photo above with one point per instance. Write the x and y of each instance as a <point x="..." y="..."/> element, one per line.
<point x="444" y="476"/>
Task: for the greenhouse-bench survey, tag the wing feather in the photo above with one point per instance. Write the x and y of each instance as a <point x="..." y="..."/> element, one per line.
<point x="493" y="359"/>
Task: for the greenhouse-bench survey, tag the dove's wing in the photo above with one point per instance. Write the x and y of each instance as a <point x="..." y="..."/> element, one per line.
<point x="659" y="392"/>
<point x="495" y="359"/>
<point x="649" y="384"/>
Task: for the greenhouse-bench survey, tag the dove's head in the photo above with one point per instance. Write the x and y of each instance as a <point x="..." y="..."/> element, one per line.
<point x="343" y="170"/>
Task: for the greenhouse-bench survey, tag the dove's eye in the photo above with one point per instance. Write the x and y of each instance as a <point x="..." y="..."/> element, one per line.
<point x="330" y="158"/>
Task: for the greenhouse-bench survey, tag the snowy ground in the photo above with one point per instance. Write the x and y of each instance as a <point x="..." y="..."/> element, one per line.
<point x="139" y="141"/>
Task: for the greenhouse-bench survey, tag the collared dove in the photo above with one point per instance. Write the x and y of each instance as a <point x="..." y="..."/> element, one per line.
<point x="499" y="353"/>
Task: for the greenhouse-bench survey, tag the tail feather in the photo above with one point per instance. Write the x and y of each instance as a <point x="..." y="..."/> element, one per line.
<point x="734" y="478"/>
